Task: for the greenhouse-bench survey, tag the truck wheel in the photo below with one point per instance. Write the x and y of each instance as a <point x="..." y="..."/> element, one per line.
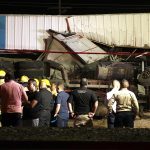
<point x="7" y="65"/>
<point x="29" y="65"/>
<point x="31" y="73"/>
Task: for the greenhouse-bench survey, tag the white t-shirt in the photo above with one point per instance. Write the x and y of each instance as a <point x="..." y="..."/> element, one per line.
<point x="109" y="96"/>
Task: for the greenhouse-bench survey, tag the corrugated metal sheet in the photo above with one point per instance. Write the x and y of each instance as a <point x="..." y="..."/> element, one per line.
<point x="114" y="29"/>
<point x="28" y="31"/>
<point x="77" y="43"/>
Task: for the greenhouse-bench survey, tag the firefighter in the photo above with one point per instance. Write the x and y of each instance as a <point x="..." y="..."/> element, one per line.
<point x="48" y="84"/>
<point x="24" y="81"/>
<point x="2" y="76"/>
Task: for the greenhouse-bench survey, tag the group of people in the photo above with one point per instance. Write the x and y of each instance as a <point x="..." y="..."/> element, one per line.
<point x="34" y="104"/>
<point x="25" y="103"/>
<point x="122" y="105"/>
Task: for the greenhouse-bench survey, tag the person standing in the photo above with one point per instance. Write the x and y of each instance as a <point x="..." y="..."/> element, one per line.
<point x="29" y="117"/>
<point x="54" y="92"/>
<point x="12" y="95"/>
<point x="62" y="112"/>
<point x="111" y="115"/>
<point x="43" y="104"/>
<point x="85" y="103"/>
<point x="126" y="101"/>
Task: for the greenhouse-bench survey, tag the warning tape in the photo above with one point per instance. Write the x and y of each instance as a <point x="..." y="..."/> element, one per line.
<point x="138" y="54"/>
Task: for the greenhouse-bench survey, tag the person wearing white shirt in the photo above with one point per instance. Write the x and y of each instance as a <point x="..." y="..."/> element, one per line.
<point x="111" y="115"/>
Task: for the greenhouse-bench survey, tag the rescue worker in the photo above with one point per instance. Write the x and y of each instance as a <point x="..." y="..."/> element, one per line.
<point x="2" y="76"/>
<point x="24" y="82"/>
<point x="48" y="84"/>
<point x="43" y="104"/>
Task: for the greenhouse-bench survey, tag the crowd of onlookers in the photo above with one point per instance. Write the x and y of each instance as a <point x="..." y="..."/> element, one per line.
<point x="33" y="103"/>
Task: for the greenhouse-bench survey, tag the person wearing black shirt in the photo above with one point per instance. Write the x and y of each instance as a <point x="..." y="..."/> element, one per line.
<point x="43" y="103"/>
<point x="85" y="104"/>
<point x="29" y="118"/>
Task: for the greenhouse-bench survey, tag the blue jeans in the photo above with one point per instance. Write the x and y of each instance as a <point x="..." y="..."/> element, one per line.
<point x="62" y="123"/>
<point x="111" y="120"/>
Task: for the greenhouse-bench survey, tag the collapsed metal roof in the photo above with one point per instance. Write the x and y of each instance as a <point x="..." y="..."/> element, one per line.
<point x="72" y="51"/>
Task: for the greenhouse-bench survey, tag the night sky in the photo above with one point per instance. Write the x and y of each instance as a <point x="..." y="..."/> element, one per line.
<point x="73" y="7"/>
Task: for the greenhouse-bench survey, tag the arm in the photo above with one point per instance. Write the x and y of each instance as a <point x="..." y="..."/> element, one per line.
<point x="110" y="103"/>
<point x="57" y="110"/>
<point x="70" y="109"/>
<point x="95" y="107"/>
<point x="24" y="96"/>
<point x="135" y="103"/>
<point x="91" y="114"/>
<point x="33" y="103"/>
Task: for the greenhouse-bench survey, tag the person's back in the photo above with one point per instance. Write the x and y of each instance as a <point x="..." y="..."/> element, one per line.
<point x="62" y="112"/>
<point x="12" y="95"/>
<point x="125" y="101"/>
<point x="45" y="98"/>
<point x="83" y="99"/>
<point x="111" y="115"/>
<point x="85" y="104"/>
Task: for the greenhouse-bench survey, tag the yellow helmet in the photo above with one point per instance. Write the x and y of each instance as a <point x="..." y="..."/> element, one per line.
<point x="37" y="81"/>
<point x="2" y="73"/>
<point x="46" y="81"/>
<point x="24" y="79"/>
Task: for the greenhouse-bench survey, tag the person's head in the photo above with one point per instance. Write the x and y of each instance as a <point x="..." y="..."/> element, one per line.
<point x="9" y="76"/>
<point x="116" y="84"/>
<point x="54" y="88"/>
<point x="2" y="76"/>
<point x="83" y="82"/>
<point x="42" y="85"/>
<point x="125" y="83"/>
<point x="24" y="79"/>
<point x="48" y="84"/>
<point x="60" y="87"/>
<point x="32" y="85"/>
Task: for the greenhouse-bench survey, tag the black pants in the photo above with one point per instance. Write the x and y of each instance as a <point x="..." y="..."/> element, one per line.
<point x="124" y="119"/>
<point x="11" y="119"/>
<point x="44" y="118"/>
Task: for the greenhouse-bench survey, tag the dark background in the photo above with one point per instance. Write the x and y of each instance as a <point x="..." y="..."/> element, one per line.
<point x="73" y="7"/>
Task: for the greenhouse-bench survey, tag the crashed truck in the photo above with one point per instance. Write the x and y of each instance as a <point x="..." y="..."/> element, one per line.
<point x="98" y="47"/>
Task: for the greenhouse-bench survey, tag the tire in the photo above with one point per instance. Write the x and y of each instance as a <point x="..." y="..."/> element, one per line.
<point x="29" y="65"/>
<point x="7" y="66"/>
<point x="31" y="73"/>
